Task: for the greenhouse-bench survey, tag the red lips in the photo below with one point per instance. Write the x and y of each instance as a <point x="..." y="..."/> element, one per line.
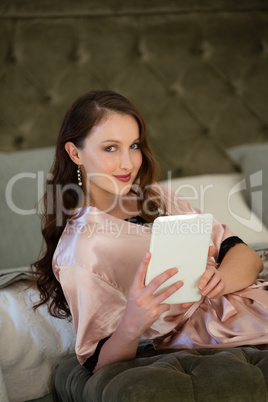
<point x="124" y="178"/>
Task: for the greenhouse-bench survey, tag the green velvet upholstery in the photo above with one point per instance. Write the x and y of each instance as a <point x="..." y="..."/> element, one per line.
<point x="196" y="69"/>
<point x="203" y="375"/>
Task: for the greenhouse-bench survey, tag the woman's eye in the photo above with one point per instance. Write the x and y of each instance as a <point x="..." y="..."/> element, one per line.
<point x="135" y="146"/>
<point x="111" y="148"/>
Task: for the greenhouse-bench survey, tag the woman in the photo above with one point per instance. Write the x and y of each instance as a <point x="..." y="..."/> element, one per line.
<point x="100" y="200"/>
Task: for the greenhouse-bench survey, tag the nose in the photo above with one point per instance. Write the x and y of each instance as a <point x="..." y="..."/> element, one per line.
<point x="126" y="162"/>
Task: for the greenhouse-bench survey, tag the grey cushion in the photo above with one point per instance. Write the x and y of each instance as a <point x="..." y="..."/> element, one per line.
<point x="22" y="179"/>
<point x="253" y="160"/>
<point x="203" y="375"/>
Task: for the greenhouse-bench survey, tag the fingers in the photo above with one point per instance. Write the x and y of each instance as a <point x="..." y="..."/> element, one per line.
<point x="211" y="251"/>
<point x="211" y="284"/>
<point x="169" y="291"/>
<point x="158" y="281"/>
<point x="150" y="290"/>
<point x="162" y="278"/>
<point x="216" y="291"/>
<point x="141" y="271"/>
<point x="155" y="284"/>
<point x="186" y="305"/>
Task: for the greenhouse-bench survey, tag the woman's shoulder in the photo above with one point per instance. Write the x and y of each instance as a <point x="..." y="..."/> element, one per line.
<point x="73" y="242"/>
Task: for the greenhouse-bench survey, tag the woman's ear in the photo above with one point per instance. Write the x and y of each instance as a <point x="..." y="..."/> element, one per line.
<point x="73" y="152"/>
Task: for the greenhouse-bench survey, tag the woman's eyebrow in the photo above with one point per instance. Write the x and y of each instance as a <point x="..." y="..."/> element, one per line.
<point x="117" y="142"/>
<point x="111" y="141"/>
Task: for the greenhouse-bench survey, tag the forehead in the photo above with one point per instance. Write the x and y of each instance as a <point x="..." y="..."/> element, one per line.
<point x="117" y="127"/>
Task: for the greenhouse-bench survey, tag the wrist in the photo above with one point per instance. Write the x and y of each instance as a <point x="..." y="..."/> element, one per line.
<point x="127" y="331"/>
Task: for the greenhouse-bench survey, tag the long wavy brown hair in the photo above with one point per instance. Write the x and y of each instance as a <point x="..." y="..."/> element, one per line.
<point x="62" y="193"/>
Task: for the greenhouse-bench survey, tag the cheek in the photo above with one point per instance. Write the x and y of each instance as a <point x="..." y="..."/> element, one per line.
<point x="100" y="163"/>
<point x="138" y="160"/>
<point x="108" y="164"/>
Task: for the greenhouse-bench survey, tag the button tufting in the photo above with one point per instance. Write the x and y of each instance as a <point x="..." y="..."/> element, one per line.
<point x="206" y="131"/>
<point x="80" y="56"/>
<point x="189" y="71"/>
<point x="178" y="171"/>
<point x="47" y="97"/>
<point x="176" y="89"/>
<point x="206" y="50"/>
<point x="180" y="372"/>
<point x="264" y="129"/>
<point x="51" y="97"/>
<point x="18" y="141"/>
<point x="12" y="58"/>
<point x="142" y="51"/>
<point x="264" y="47"/>
<point x="74" y="56"/>
<point x="237" y="87"/>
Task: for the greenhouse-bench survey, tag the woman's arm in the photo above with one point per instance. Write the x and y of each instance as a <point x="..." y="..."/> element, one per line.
<point x="142" y="310"/>
<point x="119" y="347"/>
<point x="238" y="270"/>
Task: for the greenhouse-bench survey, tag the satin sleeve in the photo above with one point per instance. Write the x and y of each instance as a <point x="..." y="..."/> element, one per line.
<point x="96" y="307"/>
<point x="220" y="233"/>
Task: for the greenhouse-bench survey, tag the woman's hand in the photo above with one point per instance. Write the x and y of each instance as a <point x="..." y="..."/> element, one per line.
<point x="143" y="306"/>
<point x="204" y="284"/>
<point x="142" y="310"/>
<point x="211" y="284"/>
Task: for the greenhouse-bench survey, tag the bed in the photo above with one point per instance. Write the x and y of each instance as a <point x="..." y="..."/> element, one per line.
<point x="33" y="344"/>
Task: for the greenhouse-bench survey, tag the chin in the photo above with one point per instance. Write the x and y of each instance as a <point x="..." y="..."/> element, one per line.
<point x="125" y="190"/>
<point x="117" y="188"/>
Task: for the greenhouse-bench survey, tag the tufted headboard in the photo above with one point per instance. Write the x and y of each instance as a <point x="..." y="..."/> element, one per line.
<point x="197" y="70"/>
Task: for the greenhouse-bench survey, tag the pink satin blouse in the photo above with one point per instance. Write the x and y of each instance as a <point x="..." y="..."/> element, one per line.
<point x="96" y="260"/>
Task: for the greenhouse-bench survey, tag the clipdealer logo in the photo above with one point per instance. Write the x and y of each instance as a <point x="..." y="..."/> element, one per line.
<point x="255" y="183"/>
<point x="183" y="227"/>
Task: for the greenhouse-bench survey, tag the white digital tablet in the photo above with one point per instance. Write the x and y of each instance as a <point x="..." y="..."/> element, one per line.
<point x="180" y="241"/>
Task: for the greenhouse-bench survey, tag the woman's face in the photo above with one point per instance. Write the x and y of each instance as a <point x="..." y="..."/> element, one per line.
<point x="111" y="157"/>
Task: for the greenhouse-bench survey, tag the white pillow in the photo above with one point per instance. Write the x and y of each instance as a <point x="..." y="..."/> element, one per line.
<point x="221" y="195"/>
<point x="32" y="343"/>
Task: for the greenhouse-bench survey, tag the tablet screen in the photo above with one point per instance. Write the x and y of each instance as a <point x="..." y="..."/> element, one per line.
<point x="180" y="241"/>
